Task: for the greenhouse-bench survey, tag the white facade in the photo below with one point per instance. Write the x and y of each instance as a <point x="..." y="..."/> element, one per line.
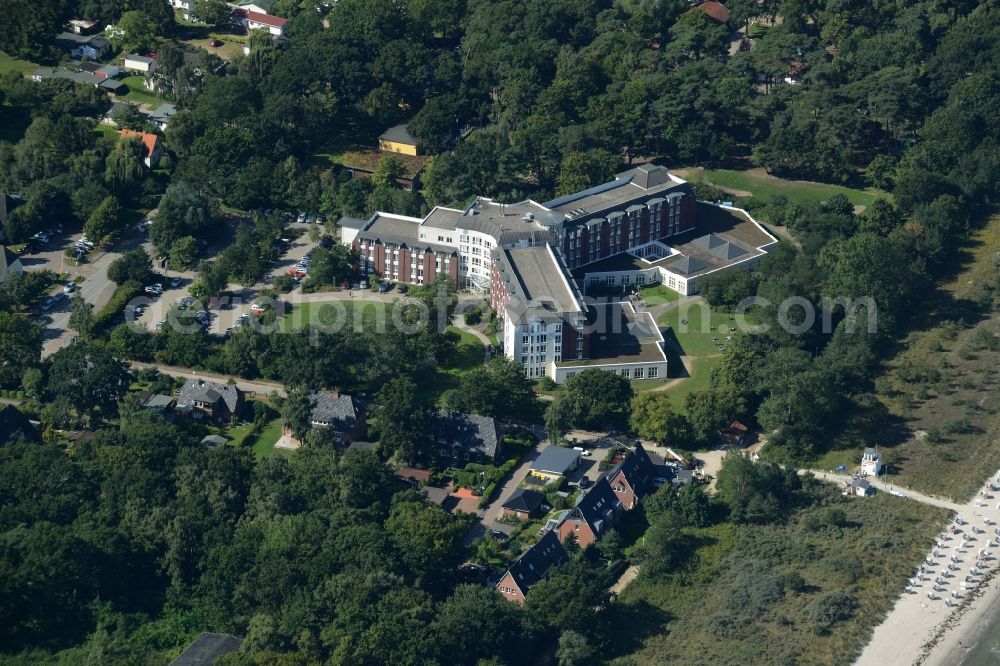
<point x="630" y="371"/>
<point x="871" y="462"/>
<point x="537" y="345"/>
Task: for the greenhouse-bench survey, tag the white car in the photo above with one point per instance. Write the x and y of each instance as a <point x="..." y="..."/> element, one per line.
<point x="69" y="287"/>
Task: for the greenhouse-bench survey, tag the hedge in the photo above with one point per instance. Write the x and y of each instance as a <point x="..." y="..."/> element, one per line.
<point x="239" y="39"/>
<point x="119" y="300"/>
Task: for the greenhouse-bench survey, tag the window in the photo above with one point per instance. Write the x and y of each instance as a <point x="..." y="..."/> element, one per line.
<point x="625" y="373"/>
<point x="638" y="373"/>
<point x="626" y="280"/>
<point x="652" y="372"/>
<point x="525" y="339"/>
<point x="609" y="280"/>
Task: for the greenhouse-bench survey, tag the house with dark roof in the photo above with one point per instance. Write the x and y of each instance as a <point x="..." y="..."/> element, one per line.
<point x="337" y="411"/>
<point x="8" y="202"/>
<point x="595" y="513"/>
<point x="733" y="434"/>
<point x="633" y="478"/>
<point x="10" y="264"/>
<point x="524" y="504"/>
<point x="15" y="425"/>
<point x="553" y="463"/>
<point x="399" y="140"/>
<point x="207" y="649"/>
<point x="82" y="46"/>
<point x="210" y="400"/>
<point x="533" y="566"/>
<point x="466" y="437"/>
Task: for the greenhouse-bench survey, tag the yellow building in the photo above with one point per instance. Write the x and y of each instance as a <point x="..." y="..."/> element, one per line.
<point x="399" y="140"/>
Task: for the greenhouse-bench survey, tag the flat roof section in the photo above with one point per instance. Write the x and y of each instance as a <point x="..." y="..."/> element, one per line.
<point x="538" y="273"/>
<point x="620" y="335"/>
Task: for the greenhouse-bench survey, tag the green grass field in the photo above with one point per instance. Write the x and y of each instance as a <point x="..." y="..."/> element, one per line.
<point x="468" y="356"/>
<point x="765" y="186"/>
<point x="697" y="329"/>
<point x="12" y="65"/>
<point x="137" y="92"/>
<point x="658" y="295"/>
<point x="333" y="314"/>
<point x="262" y="443"/>
<point x="700" y="380"/>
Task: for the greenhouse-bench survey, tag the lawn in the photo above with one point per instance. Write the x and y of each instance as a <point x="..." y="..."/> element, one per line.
<point x="696" y="328"/>
<point x="12" y="65"/>
<point x="658" y="295"/>
<point x="227" y="51"/>
<point x="262" y="443"/>
<point x="333" y="315"/>
<point x="761" y="184"/>
<point x="729" y="598"/>
<point x="700" y="380"/>
<point x="137" y="92"/>
<point x="467" y="357"/>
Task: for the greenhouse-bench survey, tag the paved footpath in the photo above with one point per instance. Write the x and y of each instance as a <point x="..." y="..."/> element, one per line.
<point x="889" y="488"/>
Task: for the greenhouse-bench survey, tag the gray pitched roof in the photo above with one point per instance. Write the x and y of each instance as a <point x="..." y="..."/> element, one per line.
<point x="199" y="390"/>
<point x="14" y="424"/>
<point x="597" y="506"/>
<point x="637" y="469"/>
<point x="687" y="265"/>
<point x="399" y="134"/>
<point x="206" y="649"/>
<point x="213" y="441"/>
<point x="333" y="409"/>
<point x="555" y="459"/>
<point x="524" y="499"/>
<point x="351" y="222"/>
<point x="139" y="58"/>
<point x="534" y="563"/>
<point x="471" y="431"/>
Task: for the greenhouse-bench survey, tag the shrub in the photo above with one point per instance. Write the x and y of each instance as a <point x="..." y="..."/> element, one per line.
<point x="473" y="317"/>
<point x="119" y="300"/>
<point x="829" y="608"/>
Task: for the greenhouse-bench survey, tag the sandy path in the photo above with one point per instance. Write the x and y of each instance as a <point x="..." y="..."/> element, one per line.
<point x="924" y="630"/>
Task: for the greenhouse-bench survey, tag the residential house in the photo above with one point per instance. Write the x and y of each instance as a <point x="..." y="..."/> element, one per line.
<point x="81" y="26"/>
<point x="161" y="115"/>
<point x="157" y="402"/>
<point x="83" y="46"/>
<point x="860" y="487"/>
<point x="251" y="20"/>
<point x="414" y="475"/>
<point x="399" y="140"/>
<point x="524" y="504"/>
<point x="139" y="63"/>
<point x="337" y="411"/>
<point x="633" y="478"/>
<point x="15" y="425"/>
<point x="207" y="649"/>
<point x="213" y="441"/>
<point x="553" y="463"/>
<point x="734" y="434"/>
<point x="82" y="78"/>
<point x="532" y="567"/>
<point x="210" y="400"/>
<point x="466" y="437"/>
<point x="8" y="202"/>
<point x="713" y="10"/>
<point x="10" y="264"/>
<point x="152" y="145"/>
<point x="595" y="513"/>
<point x="184" y="6"/>
<point x="871" y="462"/>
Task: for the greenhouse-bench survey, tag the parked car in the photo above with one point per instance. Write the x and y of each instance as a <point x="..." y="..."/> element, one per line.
<point x="499" y="535"/>
<point x="319" y="219"/>
<point x="69" y="287"/>
<point x="402" y="288"/>
<point x="301" y="218"/>
<point x="215" y="43"/>
<point x="384" y="287"/>
<point x="584" y="482"/>
<point x="159" y="325"/>
<point x="48" y="303"/>
<point x="175" y="282"/>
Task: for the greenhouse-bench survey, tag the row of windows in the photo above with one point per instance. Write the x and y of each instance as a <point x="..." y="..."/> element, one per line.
<point x="652" y="372"/>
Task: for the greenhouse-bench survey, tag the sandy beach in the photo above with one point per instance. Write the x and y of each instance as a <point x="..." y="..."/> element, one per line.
<point x="953" y="604"/>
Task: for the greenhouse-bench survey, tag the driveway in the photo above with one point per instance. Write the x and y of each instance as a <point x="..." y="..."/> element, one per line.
<point x="488" y="518"/>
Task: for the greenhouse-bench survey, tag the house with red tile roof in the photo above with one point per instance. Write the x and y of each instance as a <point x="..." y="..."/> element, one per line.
<point x="151" y="142"/>
<point x="251" y="20"/>
<point x="714" y="10"/>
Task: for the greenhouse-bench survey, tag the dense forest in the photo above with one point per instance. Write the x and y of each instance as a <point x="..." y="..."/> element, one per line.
<point x="124" y="547"/>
